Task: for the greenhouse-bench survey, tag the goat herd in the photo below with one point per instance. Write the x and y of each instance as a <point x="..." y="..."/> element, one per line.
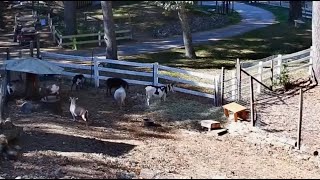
<point x="120" y="86"/>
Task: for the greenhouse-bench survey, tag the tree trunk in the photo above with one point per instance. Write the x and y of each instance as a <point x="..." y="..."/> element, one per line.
<point x="295" y="10"/>
<point x="109" y="30"/>
<point x="316" y="38"/>
<point x="187" y="36"/>
<point x="70" y="18"/>
<point x="227" y="7"/>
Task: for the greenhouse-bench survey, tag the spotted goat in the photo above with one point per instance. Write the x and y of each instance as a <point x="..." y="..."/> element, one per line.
<point x="158" y="92"/>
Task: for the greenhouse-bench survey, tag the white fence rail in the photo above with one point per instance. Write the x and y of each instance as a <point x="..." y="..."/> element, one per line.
<point x="153" y="72"/>
<point x="59" y="38"/>
<point x="266" y="71"/>
<point x="306" y="10"/>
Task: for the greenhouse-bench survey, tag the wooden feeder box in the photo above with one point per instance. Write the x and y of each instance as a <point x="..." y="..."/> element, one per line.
<point x="210" y="124"/>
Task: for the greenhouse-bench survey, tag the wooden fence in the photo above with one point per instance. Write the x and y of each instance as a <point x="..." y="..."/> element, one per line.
<point x="72" y="39"/>
<point x="266" y="71"/>
<point x="150" y="74"/>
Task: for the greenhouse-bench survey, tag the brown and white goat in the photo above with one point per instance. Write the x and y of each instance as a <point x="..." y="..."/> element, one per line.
<point x="76" y="110"/>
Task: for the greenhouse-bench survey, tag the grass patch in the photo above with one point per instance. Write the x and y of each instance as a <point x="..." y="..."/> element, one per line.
<point x="280" y="38"/>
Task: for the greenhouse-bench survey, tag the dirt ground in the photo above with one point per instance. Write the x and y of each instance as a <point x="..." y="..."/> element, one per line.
<point x="117" y="145"/>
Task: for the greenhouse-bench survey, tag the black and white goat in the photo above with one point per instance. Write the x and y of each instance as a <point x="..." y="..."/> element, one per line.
<point x="158" y="91"/>
<point x="120" y="96"/>
<point x="116" y="83"/>
<point x="78" y="80"/>
<point x="76" y="110"/>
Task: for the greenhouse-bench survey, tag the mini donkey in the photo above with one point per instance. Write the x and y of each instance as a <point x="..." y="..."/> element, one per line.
<point x="76" y="110"/>
<point x="78" y="80"/>
<point x="158" y="91"/>
<point x="119" y="96"/>
<point x="116" y="83"/>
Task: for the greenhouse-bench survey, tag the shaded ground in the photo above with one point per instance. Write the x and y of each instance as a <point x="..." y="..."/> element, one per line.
<point x="118" y="144"/>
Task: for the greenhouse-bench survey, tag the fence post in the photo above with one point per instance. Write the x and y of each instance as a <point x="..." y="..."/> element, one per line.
<point x="279" y="65"/>
<point x="238" y="69"/>
<point x="222" y="85"/>
<point x="155" y="73"/>
<point x="217" y="90"/>
<point x="251" y="101"/>
<point x="8" y="75"/>
<point x="300" y="120"/>
<point x="99" y="38"/>
<point x="60" y="41"/>
<point x="54" y="33"/>
<point x="310" y="61"/>
<point x="234" y="85"/>
<point x="260" y="70"/>
<point x="20" y="53"/>
<point x="96" y="72"/>
<point x="38" y="45"/>
<point x="31" y="48"/>
<point x="272" y="70"/>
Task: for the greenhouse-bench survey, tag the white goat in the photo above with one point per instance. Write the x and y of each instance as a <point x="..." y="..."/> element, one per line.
<point x="119" y="96"/>
<point x="158" y="92"/>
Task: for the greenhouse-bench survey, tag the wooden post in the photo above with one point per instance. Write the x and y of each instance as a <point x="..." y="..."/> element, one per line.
<point x="222" y="85"/>
<point x="260" y="70"/>
<point x="60" y="41"/>
<point x="31" y="48"/>
<point x="155" y="73"/>
<point x="238" y="68"/>
<point x="96" y="72"/>
<point x="217" y="90"/>
<point x="92" y="64"/>
<point x="99" y="38"/>
<point x="8" y="77"/>
<point x="234" y="85"/>
<point x="20" y="53"/>
<point x="271" y="73"/>
<point x="38" y="45"/>
<point x="252" y="101"/>
<point x="300" y="120"/>
<point x="279" y="65"/>
<point x="54" y="33"/>
<point x="8" y="53"/>
<point x="310" y="61"/>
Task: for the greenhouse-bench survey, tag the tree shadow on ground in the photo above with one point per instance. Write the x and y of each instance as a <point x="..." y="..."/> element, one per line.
<point x="41" y="141"/>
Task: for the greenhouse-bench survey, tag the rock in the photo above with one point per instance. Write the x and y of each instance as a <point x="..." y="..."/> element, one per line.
<point x="2" y="177"/>
<point x="26" y="108"/>
<point x="126" y="175"/>
<point x="18" y="177"/>
<point x="17" y="147"/>
<point x="12" y="155"/>
<point x="146" y="174"/>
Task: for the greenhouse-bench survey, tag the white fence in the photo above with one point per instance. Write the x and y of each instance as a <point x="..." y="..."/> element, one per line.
<point x="149" y="73"/>
<point x="306" y="10"/>
<point x="266" y="71"/>
<point x="58" y="37"/>
<point x="230" y="89"/>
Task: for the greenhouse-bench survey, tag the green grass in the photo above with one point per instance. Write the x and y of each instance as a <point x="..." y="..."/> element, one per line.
<point x="280" y="38"/>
